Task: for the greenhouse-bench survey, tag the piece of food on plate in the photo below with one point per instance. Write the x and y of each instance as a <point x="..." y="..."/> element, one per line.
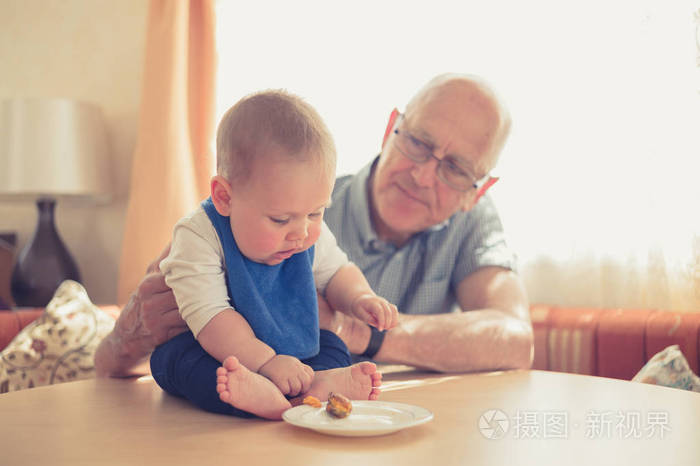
<point x="312" y="401"/>
<point x="338" y="405"/>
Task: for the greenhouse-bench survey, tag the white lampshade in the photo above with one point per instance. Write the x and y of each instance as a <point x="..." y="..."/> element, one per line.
<point x="53" y="148"/>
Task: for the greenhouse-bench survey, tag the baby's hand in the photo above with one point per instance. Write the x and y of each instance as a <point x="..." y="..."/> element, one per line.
<point x="290" y="375"/>
<point x="376" y="311"/>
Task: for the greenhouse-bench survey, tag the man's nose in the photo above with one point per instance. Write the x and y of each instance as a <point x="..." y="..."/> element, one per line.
<point x="424" y="174"/>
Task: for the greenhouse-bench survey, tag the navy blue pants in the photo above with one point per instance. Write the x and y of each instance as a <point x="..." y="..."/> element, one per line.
<point x="182" y="368"/>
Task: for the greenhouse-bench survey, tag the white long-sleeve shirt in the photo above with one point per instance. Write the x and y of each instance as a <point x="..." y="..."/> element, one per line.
<point x="195" y="268"/>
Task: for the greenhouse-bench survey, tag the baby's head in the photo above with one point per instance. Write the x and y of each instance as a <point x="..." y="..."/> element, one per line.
<point x="275" y="174"/>
<point x="271" y="122"/>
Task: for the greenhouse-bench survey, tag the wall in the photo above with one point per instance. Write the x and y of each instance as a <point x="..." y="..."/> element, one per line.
<point x="90" y="50"/>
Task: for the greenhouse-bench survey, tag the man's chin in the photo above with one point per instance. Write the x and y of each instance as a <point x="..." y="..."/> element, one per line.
<point x="401" y="218"/>
<point x="405" y="218"/>
<point x="404" y="225"/>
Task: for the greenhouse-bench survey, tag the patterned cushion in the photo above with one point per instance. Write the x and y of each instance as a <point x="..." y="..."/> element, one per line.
<point x="57" y="347"/>
<point x="669" y="368"/>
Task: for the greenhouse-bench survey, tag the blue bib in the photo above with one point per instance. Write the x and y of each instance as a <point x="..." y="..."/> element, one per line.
<point x="278" y="301"/>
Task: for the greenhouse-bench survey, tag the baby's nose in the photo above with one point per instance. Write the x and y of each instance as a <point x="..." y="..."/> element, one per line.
<point x="299" y="233"/>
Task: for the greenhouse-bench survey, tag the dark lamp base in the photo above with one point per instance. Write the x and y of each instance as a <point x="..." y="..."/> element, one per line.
<point x="43" y="263"/>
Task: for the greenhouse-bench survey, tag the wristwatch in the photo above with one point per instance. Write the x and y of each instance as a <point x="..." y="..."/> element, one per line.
<point x="376" y="339"/>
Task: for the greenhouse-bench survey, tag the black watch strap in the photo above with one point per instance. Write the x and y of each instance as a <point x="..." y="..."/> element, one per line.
<point x="375" y="342"/>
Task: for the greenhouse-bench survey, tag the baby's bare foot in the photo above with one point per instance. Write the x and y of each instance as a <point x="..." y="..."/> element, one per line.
<point x="248" y="391"/>
<point x="358" y="382"/>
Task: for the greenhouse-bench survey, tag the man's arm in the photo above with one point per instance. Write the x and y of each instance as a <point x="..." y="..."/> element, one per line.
<point x="495" y="333"/>
<point x="150" y="318"/>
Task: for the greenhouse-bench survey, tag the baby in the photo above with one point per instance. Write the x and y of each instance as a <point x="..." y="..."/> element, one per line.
<point x="245" y="268"/>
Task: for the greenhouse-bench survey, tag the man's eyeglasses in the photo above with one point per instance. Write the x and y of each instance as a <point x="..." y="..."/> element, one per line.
<point x="450" y="170"/>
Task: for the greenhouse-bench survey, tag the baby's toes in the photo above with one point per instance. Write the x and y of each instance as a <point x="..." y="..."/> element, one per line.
<point x="225" y="396"/>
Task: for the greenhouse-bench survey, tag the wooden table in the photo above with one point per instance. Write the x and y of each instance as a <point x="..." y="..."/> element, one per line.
<point x="546" y="417"/>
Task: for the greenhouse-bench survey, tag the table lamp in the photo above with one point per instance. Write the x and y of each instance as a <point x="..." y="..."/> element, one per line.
<point x="50" y="149"/>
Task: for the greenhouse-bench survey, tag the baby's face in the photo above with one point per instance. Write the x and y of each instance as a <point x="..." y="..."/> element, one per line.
<point x="278" y="212"/>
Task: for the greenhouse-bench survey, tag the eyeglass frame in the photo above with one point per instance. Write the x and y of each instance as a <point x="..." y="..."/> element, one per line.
<point x="481" y="184"/>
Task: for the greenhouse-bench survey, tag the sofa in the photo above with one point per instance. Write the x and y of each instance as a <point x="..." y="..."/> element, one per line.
<point x="612" y="343"/>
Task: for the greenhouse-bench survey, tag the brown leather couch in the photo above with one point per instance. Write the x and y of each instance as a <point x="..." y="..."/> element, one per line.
<point x="605" y="342"/>
<point x="11" y="322"/>
<point x="612" y="343"/>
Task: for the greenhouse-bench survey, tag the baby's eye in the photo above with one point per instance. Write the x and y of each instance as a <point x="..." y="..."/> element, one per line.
<point x="279" y="221"/>
<point x="315" y="215"/>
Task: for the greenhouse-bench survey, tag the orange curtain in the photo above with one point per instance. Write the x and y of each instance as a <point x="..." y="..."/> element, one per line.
<point x="172" y="162"/>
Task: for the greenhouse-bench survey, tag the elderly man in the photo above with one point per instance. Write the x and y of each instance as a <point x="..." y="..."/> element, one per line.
<point x="417" y="223"/>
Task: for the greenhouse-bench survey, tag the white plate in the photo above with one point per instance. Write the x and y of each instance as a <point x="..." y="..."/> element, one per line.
<point x="368" y="418"/>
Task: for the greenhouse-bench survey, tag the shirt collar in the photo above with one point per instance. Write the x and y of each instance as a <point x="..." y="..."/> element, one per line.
<point x="440" y="225"/>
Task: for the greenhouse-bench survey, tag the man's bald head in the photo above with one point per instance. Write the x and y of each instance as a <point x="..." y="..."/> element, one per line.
<point x="472" y="92"/>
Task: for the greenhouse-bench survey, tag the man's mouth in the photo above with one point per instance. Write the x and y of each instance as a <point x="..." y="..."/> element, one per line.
<point x="410" y="194"/>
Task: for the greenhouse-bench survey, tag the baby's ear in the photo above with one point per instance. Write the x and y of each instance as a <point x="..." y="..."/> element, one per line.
<point x="221" y="195"/>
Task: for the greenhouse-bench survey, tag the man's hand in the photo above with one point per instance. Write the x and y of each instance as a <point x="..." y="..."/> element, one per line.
<point x="289" y="374"/>
<point x="376" y="311"/>
<point x="355" y="334"/>
<point x="150" y="318"/>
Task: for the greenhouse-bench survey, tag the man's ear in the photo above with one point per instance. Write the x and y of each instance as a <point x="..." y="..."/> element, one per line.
<point x="221" y="195"/>
<point x="471" y="200"/>
<point x="390" y="126"/>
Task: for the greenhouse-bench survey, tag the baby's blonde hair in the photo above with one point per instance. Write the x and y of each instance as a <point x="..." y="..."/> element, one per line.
<point x="267" y="119"/>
